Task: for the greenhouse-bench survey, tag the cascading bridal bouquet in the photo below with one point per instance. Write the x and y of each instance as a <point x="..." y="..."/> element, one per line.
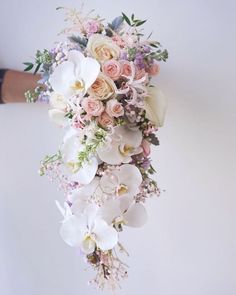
<point x="98" y="84"/>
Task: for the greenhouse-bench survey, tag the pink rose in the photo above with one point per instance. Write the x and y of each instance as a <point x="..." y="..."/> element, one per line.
<point x="146" y="147"/>
<point x="112" y="69"/>
<point x="154" y="69"/>
<point x="92" y="106"/>
<point x="114" y="108"/>
<point x="139" y="73"/>
<point x="126" y="68"/>
<point x="105" y="120"/>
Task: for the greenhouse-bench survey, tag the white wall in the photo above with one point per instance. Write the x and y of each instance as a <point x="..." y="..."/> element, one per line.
<point x="188" y="246"/>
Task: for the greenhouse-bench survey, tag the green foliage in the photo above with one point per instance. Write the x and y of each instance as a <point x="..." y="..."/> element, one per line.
<point x="132" y="21"/>
<point x="91" y="147"/>
<point x="47" y="161"/>
<point x="41" y="58"/>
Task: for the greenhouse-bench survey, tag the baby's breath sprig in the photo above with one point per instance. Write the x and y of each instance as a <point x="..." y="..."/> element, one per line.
<point x="48" y="160"/>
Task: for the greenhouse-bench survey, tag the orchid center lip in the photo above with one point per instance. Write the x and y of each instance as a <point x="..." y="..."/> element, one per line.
<point x="78" y="85"/>
<point x="126" y="149"/>
<point x="90" y="237"/>
<point x="122" y="189"/>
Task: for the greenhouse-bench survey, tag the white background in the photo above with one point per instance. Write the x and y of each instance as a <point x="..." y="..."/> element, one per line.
<point x="188" y="245"/>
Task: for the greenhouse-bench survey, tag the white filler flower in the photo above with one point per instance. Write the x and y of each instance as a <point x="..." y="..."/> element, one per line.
<point x="88" y="231"/>
<point x="74" y="76"/>
<point x="124" y="143"/>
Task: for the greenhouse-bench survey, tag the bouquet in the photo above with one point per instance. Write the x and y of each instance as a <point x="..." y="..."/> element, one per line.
<point x="98" y="85"/>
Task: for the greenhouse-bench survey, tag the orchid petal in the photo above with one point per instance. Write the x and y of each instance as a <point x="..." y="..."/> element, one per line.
<point x="130" y="176"/>
<point x="58" y="117"/>
<point x="136" y="216"/>
<point x="85" y="191"/>
<point x="76" y="57"/>
<point x="62" y="77"/>
<point x="86" y="173"/>
<point x="90" y="69"/>
<point x="110" y="210"/>
<point x="106" y="236"/>
<point x="72" y="230"/>
<point x="88" y="245"/>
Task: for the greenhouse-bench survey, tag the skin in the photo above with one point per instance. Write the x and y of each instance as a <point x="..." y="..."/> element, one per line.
<point x="15" y="84"/>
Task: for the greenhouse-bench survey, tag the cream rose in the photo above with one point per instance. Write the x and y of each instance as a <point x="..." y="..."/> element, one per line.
<point x="102" y="48"/>
<point x="112" y="69"/>
<point x="105" y="120"/>
<point x="103" y="88"/>
<point x="92" y="106"/>
<point x="114" y="108"/>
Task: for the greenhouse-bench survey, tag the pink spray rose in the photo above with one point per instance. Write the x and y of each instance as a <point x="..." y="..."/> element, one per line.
<point x="114" y="108"/>
<point x="92" y="106"/>
<point x="154" y="69"/>
<point x="112" y="69"/>
<point x="119" y="41"/>
<point x="92" y="27"/>
<point x="105" y="120"/>
<point x="139" y="73"/>
<point x="126" y="68"/>
<point x="146" y="148"/>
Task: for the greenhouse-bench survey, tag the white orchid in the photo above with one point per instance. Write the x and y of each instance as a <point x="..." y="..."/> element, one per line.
<point x="58" y="117"/>
<point x="155" y="105"/>
<point x="74" y="76"/>
<point x="87" y="230"/>
<point x="122" y="144"/>
<point x="70" y="149"/>
<point x="122" y="182"/>
<point x="124" y="211"/>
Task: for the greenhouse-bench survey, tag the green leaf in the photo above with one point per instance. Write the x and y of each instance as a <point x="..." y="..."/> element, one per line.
<point x="29" y="66"/>
<point x="37" y="68"/>
<point x="140" y="23"/>
<point x="125" y="17"/>
<point x="132" y="17"/>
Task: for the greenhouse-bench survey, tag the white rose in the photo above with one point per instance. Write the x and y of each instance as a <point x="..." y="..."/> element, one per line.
<point x="57" y="101"/>
<point x="102" y="48"/>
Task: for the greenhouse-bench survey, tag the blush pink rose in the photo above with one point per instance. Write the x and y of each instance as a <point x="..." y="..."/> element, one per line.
<point x="105" y="120"/>
<point x="92" y="106"/>
<point x="114" y="108"/>
<point x="139" y="73"/>
<point x="146" y="148"/>
<point x="126" y="68"/>
<point x="153" y="69"/>
<point x="112" y="69"/>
